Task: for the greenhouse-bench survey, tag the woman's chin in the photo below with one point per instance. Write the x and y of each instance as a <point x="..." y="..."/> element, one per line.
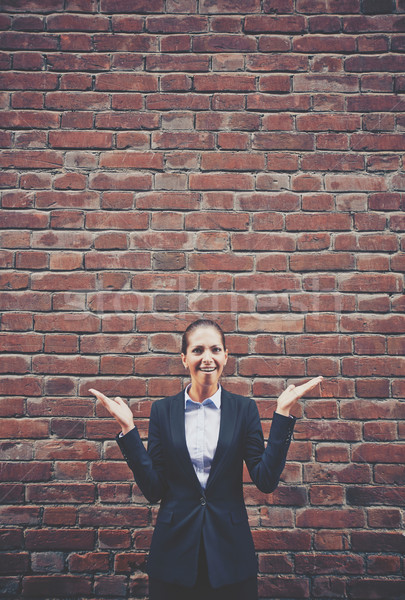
<point x="209" y="376"/>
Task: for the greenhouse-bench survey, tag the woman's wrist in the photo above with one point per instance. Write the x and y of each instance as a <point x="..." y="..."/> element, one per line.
<point x="285" y="412"/>
<point x="127" y="428"/>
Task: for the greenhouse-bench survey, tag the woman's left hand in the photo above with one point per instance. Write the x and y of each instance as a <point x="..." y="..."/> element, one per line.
<point x="293" y="393"/>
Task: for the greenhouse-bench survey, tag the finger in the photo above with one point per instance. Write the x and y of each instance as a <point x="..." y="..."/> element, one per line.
<point x="309" y="385"/>
<point x="119" y="400"/>
<point x="103" y="399"/>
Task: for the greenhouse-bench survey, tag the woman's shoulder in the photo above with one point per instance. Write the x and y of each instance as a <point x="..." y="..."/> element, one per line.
<point x="238" y="398"/>
<point x="165" y="402"/>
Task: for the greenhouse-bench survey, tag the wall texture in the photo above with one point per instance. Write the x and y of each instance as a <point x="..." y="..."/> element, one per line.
<point x="166" y="160"/>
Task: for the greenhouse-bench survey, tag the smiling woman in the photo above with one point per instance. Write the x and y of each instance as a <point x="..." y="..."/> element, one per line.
<point x="198" y="439"/>
<point x="204" y="355"/>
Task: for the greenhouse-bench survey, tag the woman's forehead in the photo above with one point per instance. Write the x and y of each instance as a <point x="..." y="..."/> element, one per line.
<point x="205" y="336"/>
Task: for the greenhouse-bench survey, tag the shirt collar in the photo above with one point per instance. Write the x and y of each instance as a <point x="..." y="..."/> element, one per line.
<point x="215" y="398"/>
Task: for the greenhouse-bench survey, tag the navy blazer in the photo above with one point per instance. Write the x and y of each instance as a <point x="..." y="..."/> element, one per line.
<point x="164" y="472"/>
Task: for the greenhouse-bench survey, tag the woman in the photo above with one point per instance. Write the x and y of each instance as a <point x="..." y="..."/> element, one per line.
<point x="202" y="547"/>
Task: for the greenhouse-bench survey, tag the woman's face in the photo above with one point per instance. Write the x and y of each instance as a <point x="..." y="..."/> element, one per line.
<point x="206" y="356"/>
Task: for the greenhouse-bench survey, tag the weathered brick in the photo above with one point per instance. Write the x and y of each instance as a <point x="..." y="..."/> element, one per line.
<point x="163" y="161"/>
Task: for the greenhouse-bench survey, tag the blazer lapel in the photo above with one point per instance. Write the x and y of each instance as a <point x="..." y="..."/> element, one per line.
<point x="226" y="433"/>
<point x="178" y="430"/>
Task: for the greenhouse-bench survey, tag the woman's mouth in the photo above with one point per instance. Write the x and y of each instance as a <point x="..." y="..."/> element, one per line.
<point x="207" y="369"/>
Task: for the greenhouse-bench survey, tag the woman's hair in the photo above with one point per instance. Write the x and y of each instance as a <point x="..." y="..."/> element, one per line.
<point x="196" y="325"/>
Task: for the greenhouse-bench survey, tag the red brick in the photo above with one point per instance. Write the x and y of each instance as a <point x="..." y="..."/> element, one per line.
<point x="317" y="122"/>
<point x="280" y="122"/>
<point x="228" y="62"/>
<point x="366" y="282"/>
<point x="347" y="183"/>
<point x="329" y="563"/>
<point x="11" y="407"/>
<point x="66" y="22"/>
<point x="370" y="344"/>
<point x="310" y="517"/>
<point x="133" y="139"/>
<point x="382" y="163"/>
<point x="28" y="41"/>
<point x="175" y="43"/>
<point x="328" y="540"/>
<point x="128" y="23"/>
<point x="281" y="141"/>
<point x="38" y="585"/>
<point x="75" y="81"/>
<point x="280" y="540"/>
<point x="13" y="562"/>
<point x="113" y="6"/>
<point x="326" y="6"/>
<point x="209" y="220"/>
<point x="378" y="541"/>
<point x="177" y="101"/>
<point x="91" y="561"/>
<point x="137" y="160"/>
<point x="24" y="471"/>
<point x="76" y="139"/>
<point x="108" y="181"/>
<point x="275" y="24"/>
<point x="79" y="42"/>
<point x="325" y="83"/>
<point x="232" y="161"/>
<point x="109" y="538"/>
<point x="27" y="159"/>
<point x="220" y="181"/>
<point x="383" y="565"/>
<point x="28" y="23"/>
<point x="16" y="515"/>
<point x="277" y="62"/>
<point x="11" y="538"/>
<point x="373" y="452"/>
<point x="270" y="323"/>
<point x="180" y="140"/>
<point x="28" y="61"/>
<point x="175" y="82"/>
<point x="223" y="24"/>
<point x="76" y="101"/>
<point x="228" y="6"/>
<point x="214" y="121"/>
<point x="383" y="517"/>
<point x="213" y="83"/>
<point x="274" y="43"/>
<point x="382" y="141"/>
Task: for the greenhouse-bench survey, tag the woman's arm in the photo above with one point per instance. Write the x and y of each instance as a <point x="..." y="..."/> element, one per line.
<point x="146" y="465"/>
<point x="265" y="465"/>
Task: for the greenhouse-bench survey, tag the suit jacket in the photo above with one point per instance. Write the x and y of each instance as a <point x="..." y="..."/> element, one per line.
<point x="217" y="514"/>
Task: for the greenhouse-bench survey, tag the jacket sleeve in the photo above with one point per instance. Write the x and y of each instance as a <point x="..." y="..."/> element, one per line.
<point x="265" y="465"/>
<point x="146" y="465"/>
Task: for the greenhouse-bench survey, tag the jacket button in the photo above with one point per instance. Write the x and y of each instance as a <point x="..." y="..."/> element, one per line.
<point x="203" y="501"/>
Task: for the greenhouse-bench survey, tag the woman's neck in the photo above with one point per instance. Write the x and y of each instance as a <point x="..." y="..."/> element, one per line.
<point x="199" y="393"/>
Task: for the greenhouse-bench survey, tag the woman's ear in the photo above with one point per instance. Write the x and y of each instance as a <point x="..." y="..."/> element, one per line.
<point x="226" y="355"/>
<point x="184" y="361"/>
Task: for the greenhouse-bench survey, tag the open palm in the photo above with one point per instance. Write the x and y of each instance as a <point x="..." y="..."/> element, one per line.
<point x="293" y="393"/>
<point x="117" y="409"/>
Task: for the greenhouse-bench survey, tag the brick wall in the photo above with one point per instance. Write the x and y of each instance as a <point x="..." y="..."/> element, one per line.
<point x="167" y="160"/>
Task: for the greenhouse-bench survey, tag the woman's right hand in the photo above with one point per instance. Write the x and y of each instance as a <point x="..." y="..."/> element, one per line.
<point x="118" y="409"/>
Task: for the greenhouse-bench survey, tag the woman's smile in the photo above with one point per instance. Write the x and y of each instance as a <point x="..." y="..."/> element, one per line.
<point x="205" y="360"/>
